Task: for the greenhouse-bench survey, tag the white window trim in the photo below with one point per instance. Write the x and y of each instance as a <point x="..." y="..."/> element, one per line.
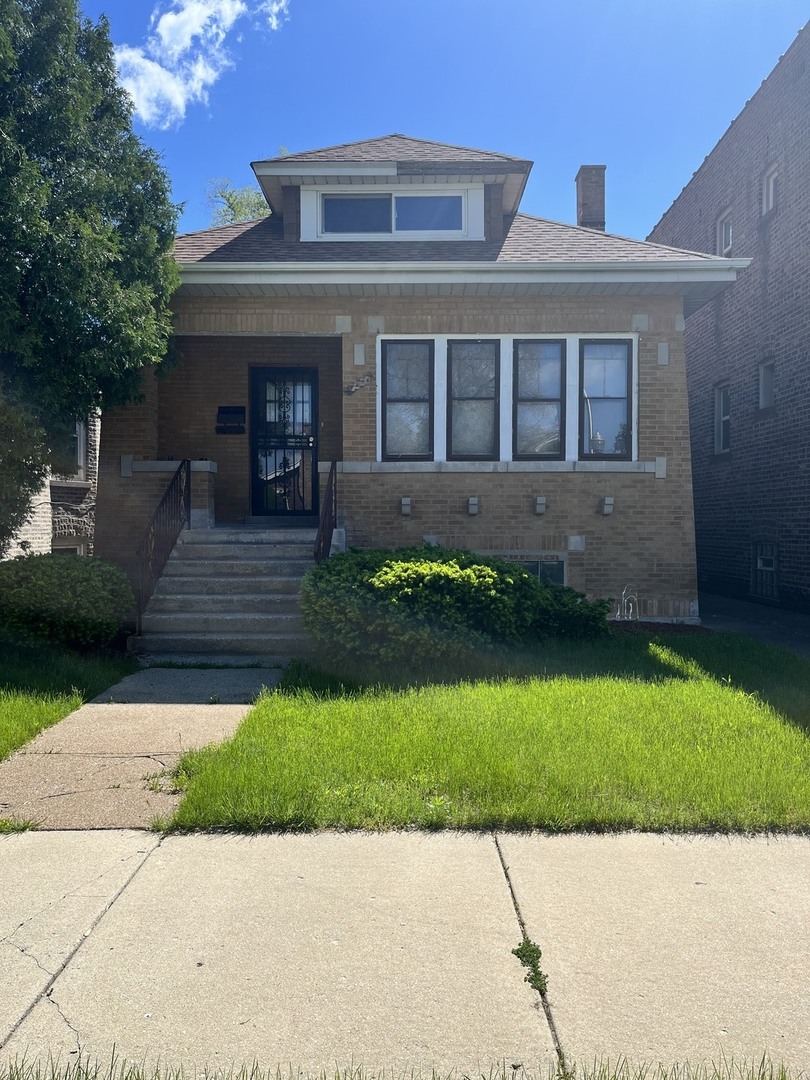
<point x="472" y="213"/>
<point x="769" y="189"/>
<point x="571" y="457"/>
<point x="723" y="249"/>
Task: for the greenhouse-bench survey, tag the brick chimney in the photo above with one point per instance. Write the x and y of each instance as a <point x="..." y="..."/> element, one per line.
<point x="590" y="181"/>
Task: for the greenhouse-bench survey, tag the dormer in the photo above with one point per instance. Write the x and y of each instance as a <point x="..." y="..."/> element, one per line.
<point x="393" y="188"/>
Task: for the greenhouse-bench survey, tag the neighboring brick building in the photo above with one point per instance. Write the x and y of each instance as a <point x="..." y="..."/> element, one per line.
<point x="747" y="350"/>
<point x="62" y="517"/>
<point x="481" y="378"/>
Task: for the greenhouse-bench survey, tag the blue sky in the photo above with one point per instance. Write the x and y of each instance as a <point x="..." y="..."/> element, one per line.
<point x="645" y="87"/>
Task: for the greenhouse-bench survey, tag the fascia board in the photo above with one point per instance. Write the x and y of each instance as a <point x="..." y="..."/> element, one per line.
<point x="671" y="272"/>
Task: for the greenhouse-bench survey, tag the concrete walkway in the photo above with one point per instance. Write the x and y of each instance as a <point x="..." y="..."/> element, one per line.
<point x="107" y="765"/>
<point x="394" y="951"/>
<point x="771" y="625"/>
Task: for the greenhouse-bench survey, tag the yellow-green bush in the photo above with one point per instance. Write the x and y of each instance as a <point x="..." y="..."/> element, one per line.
<point x="434" y="603"/>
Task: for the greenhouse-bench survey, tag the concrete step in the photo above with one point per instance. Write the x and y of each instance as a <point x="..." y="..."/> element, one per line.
<point x="280" y="648"/>
<point x="250" y="534"/>
<point x="282" y="568"/>
<point x="229" y="585"/>
<point x="280" y="625"/>
<point x="271" y="603"/>
<point x="264" y="552"/>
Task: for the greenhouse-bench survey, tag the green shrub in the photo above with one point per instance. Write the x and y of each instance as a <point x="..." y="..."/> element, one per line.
<point x="62" y="599"/>
<point x="423" y="604"/>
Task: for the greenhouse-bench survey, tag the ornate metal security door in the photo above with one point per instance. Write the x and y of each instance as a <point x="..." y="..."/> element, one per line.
<point x="284" y="447"/>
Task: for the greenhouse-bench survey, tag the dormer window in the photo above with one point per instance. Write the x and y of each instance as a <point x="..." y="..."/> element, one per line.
<point x="454" y="214"/>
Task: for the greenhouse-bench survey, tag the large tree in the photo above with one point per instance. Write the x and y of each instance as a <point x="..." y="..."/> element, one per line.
<point x="86" y="219"/>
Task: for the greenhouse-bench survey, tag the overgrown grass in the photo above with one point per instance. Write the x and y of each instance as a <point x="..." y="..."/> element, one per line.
<point x="83" y="1068"/>
<point x="684" y="732"/>
<point x="40" y="685"/>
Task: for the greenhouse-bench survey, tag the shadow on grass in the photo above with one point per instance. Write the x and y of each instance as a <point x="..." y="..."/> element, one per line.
<point x="776" y="676"/>
<point x="53" y="669"/>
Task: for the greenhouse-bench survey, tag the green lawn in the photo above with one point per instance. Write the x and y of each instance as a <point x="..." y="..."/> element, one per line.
<point x="39" y="686"/>
<point x="680" y="732"/>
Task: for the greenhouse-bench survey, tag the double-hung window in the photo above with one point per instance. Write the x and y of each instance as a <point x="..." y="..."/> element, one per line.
<point x="407" y="386"/>
<point x="605" y="391"/>
<point x="538" y="394"/>
<point x="472" y="400"/>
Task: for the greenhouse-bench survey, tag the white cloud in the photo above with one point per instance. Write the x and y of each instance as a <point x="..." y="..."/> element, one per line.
<point x="185" y="53"/>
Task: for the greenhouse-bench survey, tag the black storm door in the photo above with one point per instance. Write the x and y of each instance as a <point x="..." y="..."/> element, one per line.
<point x="283" y="441"/>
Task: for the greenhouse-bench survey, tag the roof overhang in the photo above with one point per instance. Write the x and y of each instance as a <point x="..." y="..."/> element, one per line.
<point x="697" y="281"/>
<point x="276" y="174"/>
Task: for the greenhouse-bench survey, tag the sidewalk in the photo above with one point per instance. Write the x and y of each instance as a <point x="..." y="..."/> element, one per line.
<point x="391" y="951"/>
<point x="394" y="950"/>
<point x="771" y="625"/>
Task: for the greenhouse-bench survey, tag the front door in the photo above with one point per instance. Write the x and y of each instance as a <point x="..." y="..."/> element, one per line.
<point x="283" y="441"/>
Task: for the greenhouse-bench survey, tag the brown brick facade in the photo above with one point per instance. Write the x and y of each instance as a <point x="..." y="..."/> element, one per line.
<point x="752" y="501"/>
<point x="647" y="541"/>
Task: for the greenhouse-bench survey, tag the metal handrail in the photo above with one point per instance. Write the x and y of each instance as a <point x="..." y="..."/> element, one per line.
<point x="171" y="516"/>
<point x="328" y="517"/>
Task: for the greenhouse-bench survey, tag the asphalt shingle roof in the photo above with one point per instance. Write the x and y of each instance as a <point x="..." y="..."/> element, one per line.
<point x="529" y="239"/>
<point x="401" y="148"/>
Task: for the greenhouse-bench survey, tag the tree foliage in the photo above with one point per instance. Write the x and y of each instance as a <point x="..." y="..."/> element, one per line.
<point x="23" y="454"/>
<point x="85" y="218"/>
<point x="229" y="204"/>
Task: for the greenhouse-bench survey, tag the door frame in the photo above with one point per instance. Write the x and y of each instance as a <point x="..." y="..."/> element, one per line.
<point x="258" y="380"/>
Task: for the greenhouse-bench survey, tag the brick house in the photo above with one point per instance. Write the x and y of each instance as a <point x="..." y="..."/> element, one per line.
<point x="62" y="516"/>
<point x="481" y="378"/>
<point x="746" y="350"/>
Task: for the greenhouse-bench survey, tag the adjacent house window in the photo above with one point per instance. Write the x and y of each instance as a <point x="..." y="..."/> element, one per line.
<point x="766" y="383"/>
<point x="722" y="419"/>
<point x="770" y="189"/>
<point x="724" y="234"/>
<point x="68" y="446"/>
<point x="605" y="382"/>
<point x="538" y="390"/>
<point x="407" y="388"/>
<point x="472" y="402"/>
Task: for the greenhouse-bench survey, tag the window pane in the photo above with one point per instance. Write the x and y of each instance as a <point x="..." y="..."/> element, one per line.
<point x="473" y="433"/>
<point x="407" y="371"/>
<point x="474" y="365"/>
<point x="605" y="427"/>
<point x="605" y="370"/>
<point x="407" y="429"/>
<point x="357" y="213"/>
<point x="427" y="213"/>
<point x="538" y="428"/>
<point x="539" y="370"/>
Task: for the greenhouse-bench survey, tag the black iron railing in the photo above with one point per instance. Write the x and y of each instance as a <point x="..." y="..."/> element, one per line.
<point x="328" y="519"/>
<point x="172" y="515"/>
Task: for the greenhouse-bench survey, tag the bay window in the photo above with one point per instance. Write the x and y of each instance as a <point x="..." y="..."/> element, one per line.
<point x="451" y="399"/>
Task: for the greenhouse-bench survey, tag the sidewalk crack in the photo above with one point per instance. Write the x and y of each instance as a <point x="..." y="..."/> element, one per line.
<point x="527" y="946"/>
<point x="48" y="988"/>
<point x="49" y="997"/>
